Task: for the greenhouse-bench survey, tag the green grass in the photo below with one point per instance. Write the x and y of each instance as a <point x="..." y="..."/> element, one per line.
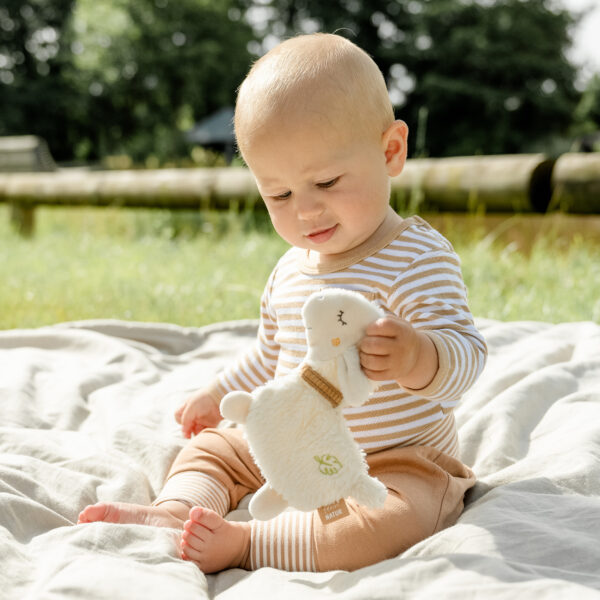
<point x="545" y="285"/>
<point x="542" y="268"/>
<point x="85" y="264"/>
<point x="192" y="270"/>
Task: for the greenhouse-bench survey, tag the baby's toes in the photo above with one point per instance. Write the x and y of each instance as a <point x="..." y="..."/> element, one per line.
<point x="92" y="513"/>
<point x="206" y="518"/>
<point x="192" y="548"/>
<point x="194" y="534"/>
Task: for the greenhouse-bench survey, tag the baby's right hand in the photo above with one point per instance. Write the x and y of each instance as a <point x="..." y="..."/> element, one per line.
<point x="198" y="412"/>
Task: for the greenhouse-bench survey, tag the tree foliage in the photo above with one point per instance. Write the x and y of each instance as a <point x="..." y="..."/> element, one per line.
<point x="34" y="94"/>
<point x="105" y="76"/>
<point x="500" y="82"/>
<point x="491" y="77"/>
<point x="96" y="77"/>
<point x="587" y="114"/>
<point x="155" y="67"/>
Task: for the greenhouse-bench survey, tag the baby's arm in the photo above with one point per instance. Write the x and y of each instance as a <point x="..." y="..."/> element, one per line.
<point x="254" y="368"/>
<point x="430" y="344"/>
<point x="201" y="409"/>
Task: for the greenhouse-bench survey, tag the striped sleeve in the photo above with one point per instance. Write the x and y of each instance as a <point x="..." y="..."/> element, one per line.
<point x="431" y="295"/>
<point x="258" y="365"/>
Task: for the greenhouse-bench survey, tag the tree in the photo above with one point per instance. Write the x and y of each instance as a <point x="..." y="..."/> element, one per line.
<point x="109" y="76"/>
<point x="34" y="96"/>
<point x="499" y="82"/>
<point x="587" y="113"/>
<point x="491" y="77"/>
<point x="151" y="67"/>
<point x="103" y="76"/>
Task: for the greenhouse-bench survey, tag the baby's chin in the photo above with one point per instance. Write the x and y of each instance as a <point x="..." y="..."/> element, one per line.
<point x="329" y="249"/>
<point x="338" y="243"/>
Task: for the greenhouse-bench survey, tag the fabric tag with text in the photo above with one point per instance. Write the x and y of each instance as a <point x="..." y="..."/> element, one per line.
<point x="334" y="511"/>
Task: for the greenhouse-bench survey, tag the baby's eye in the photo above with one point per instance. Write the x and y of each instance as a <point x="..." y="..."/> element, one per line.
<point x="283" y="196"/>
<point x="328" y="184"/>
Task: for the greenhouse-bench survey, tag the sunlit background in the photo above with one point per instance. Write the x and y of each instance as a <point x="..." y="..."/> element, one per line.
<point x="585" y="50"/>
<point x="101" y="78"/>
<point x="143" y="91"/>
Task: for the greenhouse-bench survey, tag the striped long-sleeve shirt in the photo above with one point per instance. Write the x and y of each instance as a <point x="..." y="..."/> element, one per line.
<point x="411" y="271"/>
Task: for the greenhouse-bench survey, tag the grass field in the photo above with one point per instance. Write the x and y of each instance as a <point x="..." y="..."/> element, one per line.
<point x="193" y="269"/>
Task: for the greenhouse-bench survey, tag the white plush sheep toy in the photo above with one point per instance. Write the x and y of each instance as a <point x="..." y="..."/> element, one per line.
<point x="294" y="424"/>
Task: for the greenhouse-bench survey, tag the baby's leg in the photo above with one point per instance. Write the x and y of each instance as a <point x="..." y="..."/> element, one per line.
<point x="215" y="470"/>
<point x="425" y="494"/>
<point x="214" y="543"/>
<point x="170" y="514"/>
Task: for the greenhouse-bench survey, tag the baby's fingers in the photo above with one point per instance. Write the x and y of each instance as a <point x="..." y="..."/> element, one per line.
<point x="374" y="362"/>
<point x="376" y="346"/>
<point x="385" y="327"/>
<point x="188" y="424"/>
<point x="377" y="375"/>
<point x="194" y="427"/>
<point x="178" y="413"/>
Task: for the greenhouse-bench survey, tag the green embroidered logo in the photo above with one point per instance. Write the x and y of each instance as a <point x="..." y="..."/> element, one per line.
<point x="328" y="464"/>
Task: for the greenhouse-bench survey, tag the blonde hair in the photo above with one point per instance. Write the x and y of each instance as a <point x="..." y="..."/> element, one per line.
<point x="316" y="73"/>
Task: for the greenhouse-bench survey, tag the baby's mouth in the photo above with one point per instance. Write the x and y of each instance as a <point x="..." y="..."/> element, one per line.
<point x="322" y="235"/>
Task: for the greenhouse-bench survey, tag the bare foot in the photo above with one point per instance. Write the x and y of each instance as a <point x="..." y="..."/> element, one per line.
<point x="168" y="514"/>
<point x="213" y="543"/>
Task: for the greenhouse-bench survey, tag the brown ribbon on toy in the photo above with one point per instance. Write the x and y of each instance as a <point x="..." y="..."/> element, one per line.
<point x="321" y="385"/>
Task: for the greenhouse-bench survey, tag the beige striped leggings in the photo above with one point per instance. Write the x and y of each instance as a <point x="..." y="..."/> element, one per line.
<point x="426" y="489"/>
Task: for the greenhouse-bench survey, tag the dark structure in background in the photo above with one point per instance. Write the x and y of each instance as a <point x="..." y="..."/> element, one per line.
<point x="215" y="133"/>
<point x="590" y="142"/>
<point x="25" y="153"/>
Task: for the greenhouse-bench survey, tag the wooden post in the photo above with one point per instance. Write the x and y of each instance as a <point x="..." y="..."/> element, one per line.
<point x="518" y="183"/>
<point x="22" y="218"/>
<point x="576" y="183"/>
<point x="502" y="183"/>
<point x="23" y="154"/>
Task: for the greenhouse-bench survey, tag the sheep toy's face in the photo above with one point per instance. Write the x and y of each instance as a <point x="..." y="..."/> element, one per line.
<point x="336" y="320"/>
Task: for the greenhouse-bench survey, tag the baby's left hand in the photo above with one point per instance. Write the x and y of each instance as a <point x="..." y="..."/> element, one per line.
<point x="394" y="349"/>
<point x="389" y="350"/>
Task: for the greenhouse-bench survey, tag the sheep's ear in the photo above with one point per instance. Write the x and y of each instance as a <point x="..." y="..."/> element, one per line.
<point x="354" y="385"/>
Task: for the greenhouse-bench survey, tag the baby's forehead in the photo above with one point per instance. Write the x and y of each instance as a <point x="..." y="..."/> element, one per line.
<point x="303" y="92"/>
<point x="316" y="139"/>
<point x="316" y="113"/>
<point x="322" y="113"/>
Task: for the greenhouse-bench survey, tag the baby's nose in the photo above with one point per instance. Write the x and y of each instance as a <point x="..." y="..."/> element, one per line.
<point x="310" y="207"/>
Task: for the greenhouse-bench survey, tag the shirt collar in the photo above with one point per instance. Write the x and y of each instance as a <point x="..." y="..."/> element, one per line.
<point x="314" y="263"/>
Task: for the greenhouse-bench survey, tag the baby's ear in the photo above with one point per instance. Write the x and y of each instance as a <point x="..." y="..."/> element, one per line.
<point x="394" y="140"/>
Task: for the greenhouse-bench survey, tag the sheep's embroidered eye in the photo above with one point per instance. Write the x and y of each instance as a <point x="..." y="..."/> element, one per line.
<point x="340" y="319"/>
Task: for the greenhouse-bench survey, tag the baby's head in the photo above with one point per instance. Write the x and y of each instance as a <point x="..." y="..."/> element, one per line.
<point x="315" y="124"/>
<point x="323" y="76"/>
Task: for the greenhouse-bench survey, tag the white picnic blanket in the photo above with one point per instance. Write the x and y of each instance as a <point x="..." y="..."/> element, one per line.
<point x="86" y="415"/>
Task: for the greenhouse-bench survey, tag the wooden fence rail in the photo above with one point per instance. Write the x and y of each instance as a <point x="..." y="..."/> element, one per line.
<point x="511" y="183"/>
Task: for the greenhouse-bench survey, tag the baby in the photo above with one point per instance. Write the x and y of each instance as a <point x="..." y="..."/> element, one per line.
<point x="315" y="125"/>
